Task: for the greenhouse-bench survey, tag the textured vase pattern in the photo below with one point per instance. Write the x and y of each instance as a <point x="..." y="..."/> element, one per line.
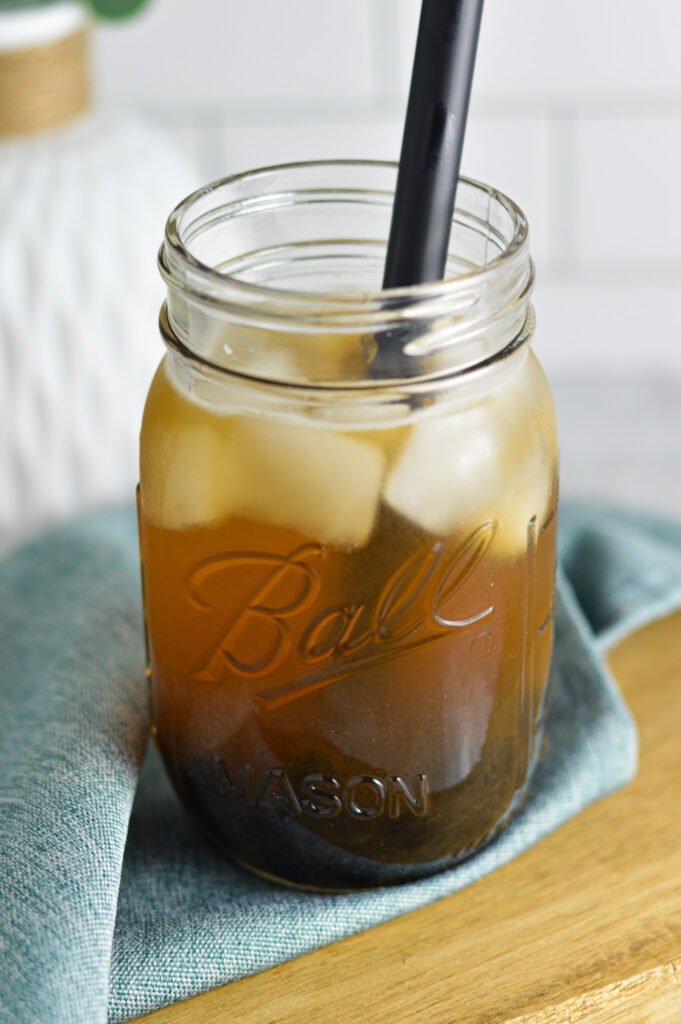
<point x="83" y="213"/>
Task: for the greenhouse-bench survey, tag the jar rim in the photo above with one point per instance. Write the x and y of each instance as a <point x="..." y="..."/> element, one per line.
<point x="182" y="269"/>
<point x="415" y="385"/>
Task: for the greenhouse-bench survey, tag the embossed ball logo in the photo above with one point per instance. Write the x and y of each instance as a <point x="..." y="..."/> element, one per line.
<point x="279" y="619"/>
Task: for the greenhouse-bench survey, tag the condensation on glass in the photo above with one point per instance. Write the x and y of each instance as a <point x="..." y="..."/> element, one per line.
<point x="348" y="528"/>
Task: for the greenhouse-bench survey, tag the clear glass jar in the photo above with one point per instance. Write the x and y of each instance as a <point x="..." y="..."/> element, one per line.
<point x="348" y="528"/>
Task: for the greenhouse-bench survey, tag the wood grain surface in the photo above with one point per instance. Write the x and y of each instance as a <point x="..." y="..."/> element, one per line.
<point x="584" y="927"/>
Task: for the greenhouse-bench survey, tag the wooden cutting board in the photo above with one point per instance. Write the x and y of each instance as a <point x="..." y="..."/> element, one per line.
<point x="585" y="926"/>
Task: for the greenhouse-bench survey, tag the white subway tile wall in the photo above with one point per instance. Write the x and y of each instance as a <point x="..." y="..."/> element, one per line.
<point x="576" y="114"/>
<point x="544" y="49"/>
<point x="638" y="229"/>
<point x="212" y="51"/>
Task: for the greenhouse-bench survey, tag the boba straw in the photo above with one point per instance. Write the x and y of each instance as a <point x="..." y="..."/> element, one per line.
<point x="432" y="141"/>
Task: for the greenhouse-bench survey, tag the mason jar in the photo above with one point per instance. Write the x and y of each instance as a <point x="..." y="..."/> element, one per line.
<point x="347" y="514"/>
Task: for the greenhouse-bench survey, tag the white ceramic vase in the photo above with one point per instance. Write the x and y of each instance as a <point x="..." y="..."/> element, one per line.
<point x="82" y="210"/>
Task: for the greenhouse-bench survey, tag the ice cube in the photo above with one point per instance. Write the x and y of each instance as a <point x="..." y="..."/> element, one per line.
<point x="490" y="461"/>
<point x="188" y="474"/>
<point x="304" y="357"/>
<point x="445" y="477"/>
<point x="200" y="465"/>
<point x="195" y="483"/>
<point x="379" y="423"/>
<point x="323" y="484"/>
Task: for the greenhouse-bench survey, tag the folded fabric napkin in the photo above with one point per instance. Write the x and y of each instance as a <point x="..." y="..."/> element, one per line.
<point x="112" y="902"/>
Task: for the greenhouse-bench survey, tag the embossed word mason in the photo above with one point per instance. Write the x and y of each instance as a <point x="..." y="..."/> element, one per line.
<point x="411" y="611"/>
<point x="320" y="795"/>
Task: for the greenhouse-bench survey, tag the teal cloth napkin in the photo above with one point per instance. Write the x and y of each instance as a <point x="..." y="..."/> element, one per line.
<point x="112" y="902"/>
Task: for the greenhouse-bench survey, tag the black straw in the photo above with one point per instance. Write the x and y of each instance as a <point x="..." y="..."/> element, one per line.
<point x="432" y="142"/>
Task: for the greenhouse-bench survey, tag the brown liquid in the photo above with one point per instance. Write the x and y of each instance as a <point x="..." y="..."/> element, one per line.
<point x="347" y="718"/>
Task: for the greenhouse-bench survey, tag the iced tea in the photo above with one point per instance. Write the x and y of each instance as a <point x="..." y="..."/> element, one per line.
<point x="350" y="621"/>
